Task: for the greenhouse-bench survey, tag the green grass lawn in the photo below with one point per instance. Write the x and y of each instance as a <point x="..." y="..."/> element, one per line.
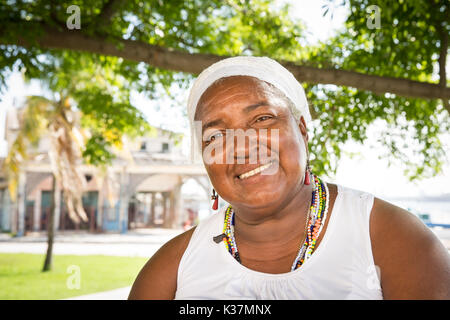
<point x="21" y="276"/>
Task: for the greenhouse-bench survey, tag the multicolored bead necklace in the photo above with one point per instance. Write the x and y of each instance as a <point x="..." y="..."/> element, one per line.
<point x="317" y="215"/>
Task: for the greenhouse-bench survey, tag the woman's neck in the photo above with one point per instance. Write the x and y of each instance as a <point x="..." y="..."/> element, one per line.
<point x="275" y="226"/>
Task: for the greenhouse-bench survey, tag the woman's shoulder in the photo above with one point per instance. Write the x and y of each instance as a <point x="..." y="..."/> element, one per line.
<point x="412" y="260"/>
<point x="158" y="278"/>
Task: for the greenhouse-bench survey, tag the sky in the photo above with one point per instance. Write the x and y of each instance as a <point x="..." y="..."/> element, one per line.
<point x="363" y="172"/>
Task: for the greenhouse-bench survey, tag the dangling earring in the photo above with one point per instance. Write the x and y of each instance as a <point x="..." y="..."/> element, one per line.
<point x="215" y="197"/>
<point x="307" y="174"/>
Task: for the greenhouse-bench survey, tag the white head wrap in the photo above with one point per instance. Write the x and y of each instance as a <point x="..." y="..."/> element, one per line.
<point x="263" y="68"/>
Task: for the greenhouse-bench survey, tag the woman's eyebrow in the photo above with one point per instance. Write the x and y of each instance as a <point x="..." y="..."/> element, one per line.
<point x="212" y="123"/>
<point x="246" y="109"/>
<point x="252" y="107"/>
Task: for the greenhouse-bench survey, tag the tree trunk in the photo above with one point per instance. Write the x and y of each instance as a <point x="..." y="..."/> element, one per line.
<point x="50" y="229"/>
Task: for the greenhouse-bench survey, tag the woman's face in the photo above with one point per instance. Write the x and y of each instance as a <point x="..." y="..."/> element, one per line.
<point x="246" y="103"/>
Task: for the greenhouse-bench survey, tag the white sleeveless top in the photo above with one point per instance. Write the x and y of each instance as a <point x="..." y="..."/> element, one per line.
<point x="342" y="267"/>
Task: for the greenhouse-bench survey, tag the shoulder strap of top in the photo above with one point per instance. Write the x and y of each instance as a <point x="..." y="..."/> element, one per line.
<point x="354" y="217"/>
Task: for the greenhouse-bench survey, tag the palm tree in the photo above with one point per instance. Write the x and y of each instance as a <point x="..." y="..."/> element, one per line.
<point x="53" y="118"/>
<point x="101" y="96"/>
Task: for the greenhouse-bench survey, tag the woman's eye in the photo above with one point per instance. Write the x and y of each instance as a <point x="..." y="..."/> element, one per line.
<point x="214" y="136"/>
<point x="263" y="118"/>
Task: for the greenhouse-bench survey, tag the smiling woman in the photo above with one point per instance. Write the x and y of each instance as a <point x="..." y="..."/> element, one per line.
<point x="287" y="234"/>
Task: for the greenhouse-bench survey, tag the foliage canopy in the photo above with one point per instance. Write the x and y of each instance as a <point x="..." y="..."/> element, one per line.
<point x="412" y="43"/>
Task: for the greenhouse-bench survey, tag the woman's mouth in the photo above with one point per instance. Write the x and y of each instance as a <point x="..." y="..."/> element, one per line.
<point x="254" y="171"/>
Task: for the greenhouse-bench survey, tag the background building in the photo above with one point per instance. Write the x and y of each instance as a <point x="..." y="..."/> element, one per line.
<point x="154" y="185"/>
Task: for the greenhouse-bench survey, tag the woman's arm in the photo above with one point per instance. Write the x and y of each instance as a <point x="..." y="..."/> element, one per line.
<point x="158" y="278"/>
<point x="413" y="262"/>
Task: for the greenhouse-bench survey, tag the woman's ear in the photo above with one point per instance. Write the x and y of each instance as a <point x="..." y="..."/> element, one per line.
<point x="303" y="129"/>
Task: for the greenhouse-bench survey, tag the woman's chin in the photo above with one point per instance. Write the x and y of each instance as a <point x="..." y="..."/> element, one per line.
<point x="260" y="197"/>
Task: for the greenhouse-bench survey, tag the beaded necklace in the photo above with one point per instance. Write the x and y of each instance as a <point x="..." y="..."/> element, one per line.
<point x="315" y="220"/>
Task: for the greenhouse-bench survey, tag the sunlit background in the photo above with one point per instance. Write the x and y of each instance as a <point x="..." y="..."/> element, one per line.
<point x="152" y="192"/>
<point x="360" y="166"/>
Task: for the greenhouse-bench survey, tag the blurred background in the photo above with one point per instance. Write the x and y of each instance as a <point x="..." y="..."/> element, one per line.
<point x="95" y="152"/>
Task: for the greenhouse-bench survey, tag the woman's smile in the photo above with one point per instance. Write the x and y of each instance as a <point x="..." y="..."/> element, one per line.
<point x="254" y="172"/>
<point x="257" y="175"/>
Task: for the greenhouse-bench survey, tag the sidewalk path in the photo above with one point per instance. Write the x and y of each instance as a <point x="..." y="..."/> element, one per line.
<point x="135" y="243"/>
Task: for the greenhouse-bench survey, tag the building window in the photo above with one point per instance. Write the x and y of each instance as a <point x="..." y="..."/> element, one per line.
<point x="143" y="146"/>
<point x="165" y="147"/>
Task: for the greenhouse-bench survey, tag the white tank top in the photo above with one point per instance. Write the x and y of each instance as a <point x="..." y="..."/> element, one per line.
<point x="342" y="267"/>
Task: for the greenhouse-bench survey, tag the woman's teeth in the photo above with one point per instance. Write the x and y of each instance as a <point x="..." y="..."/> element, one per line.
<point x="254" y="171"/>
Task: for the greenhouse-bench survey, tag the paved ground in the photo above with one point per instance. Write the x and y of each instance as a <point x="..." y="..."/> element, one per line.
<point x="141" y="243"/>
<point x="136" y="243"/>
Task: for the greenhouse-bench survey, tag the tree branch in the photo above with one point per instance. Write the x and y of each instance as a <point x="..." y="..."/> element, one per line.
<point x="166" y="58"/>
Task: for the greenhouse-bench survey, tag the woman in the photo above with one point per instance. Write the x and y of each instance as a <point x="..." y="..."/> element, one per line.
<point x="287" y="234"/>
